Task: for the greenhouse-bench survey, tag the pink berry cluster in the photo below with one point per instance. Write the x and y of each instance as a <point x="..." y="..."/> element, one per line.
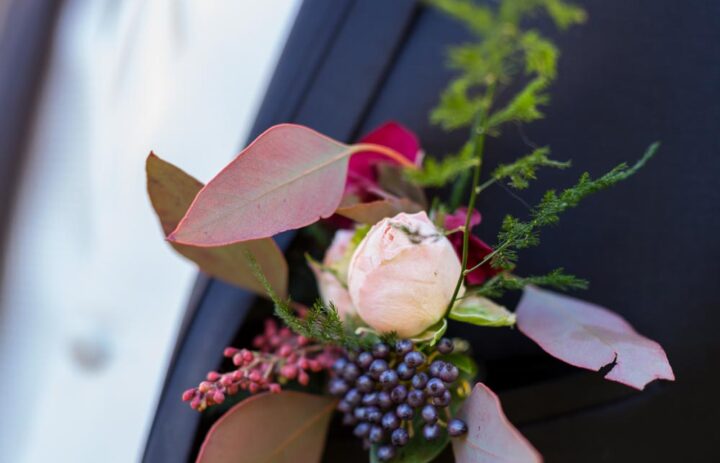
<point x="280" y="356"/>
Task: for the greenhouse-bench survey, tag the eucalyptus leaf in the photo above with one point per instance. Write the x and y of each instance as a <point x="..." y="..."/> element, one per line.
<point x="171" y="192"/>
<point x="482" y="311"/>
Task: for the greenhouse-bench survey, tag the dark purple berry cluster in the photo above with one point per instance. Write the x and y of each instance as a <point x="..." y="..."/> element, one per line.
<point x="385" y="389"/>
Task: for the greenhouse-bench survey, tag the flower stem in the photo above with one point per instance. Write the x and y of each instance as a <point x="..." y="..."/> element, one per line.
<point x="384" y="150"/>
<point x="477" y="138"/>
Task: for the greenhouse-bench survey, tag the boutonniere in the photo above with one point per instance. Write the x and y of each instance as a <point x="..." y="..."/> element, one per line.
<point x="375" y="346"/>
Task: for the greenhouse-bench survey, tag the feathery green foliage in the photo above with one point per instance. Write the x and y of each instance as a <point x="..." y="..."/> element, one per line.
<point x="503" y="51"/>
<point x="516" y="234"/>
<point x="557" y="279"/>
<point x="321" y="322"/>
<point x="437" y="173"/>
<point x="525" y="168"/>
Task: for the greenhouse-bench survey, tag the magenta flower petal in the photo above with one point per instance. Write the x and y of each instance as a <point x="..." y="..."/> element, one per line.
<point x="477" y="250"/>
<point x="457" y="219"/>
<point x="361" y="171"/>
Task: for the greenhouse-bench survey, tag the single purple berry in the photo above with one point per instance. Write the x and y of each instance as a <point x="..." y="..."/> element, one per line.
<point x="399" y="437"/>
<point x="361" y="430"/>
<point x="457" y="427"/>
<point x="374" y="415"/>
<point x="376" y="434"/>
<point x="351" y="372"/>
<point x="416" y="398"/>
<point x="445" y="346"/>
<point x="420" y="380"/>
<point x="370" y="398"/>
<point x="443" y="400"/>
<point x="377" y="367"/>
<point x="353" y="396"/>
<point x="385" y="453"/>
<point x="344" y="407"/>
<point x="414" y="359"/>
<point x="339" y="365"/>
<point x="364" y="360"/>
<point x="404" y="371"/>
<point x="404" y="411"/>
<point x="398" y="394"/>
<point x="390" y="421"/>
<point x="365" y="384"/>
<point x="435" y="387"/>
<point x="384" y="400"/>
<point x="380" y="350"/>
<point x="360" y="413"/>
<point x="431" y="431"/>
<point x="388" y="379"/>
<point x="449" y="373"/>
<point x="337" y="387"/>
<point x="429" y="414"/>
<point x="436" y="367"/>
<point x="403" y="346"/>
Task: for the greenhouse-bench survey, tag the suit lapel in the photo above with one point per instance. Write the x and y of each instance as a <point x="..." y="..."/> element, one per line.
<point x="336" y="57"/>
<point x="26" y="28"/>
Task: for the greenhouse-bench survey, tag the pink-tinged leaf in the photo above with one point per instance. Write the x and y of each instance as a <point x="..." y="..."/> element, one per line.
<point x="491" y="438"/>
<point x="289" y="177"/>
<point x="374" y="211"/>
<point x="590" y="336"/>
<point x="171" y="192"/>
<point x="270" y="428"/>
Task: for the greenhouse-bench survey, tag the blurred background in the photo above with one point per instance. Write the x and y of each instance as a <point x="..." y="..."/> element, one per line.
<point x="89" y="294"/>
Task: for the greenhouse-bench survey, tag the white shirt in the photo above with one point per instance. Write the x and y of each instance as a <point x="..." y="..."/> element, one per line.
<point x="92" y="297"/>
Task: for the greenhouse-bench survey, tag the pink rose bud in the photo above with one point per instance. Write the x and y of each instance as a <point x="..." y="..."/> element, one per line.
<point x="195" y="404"/>
<point x="332" y="279"/>
<point x="289" y="371"/>
<point x="274" y="388"/>
<point x="304" y="363"/>
<point x="247" y="356"/>
<point x="230" y="351"/>
<point x="303" y="378"/>
<point x="403" y="274"/>
<point x="285" y="350"/>
<point x="204" y="387"/>
<point x="218" y="397"/>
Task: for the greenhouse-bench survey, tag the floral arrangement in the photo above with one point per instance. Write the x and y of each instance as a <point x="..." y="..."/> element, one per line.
<point x="375" y="346"/>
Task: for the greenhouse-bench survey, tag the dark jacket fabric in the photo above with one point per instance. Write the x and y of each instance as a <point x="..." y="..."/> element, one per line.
<point x="638" y="71"/>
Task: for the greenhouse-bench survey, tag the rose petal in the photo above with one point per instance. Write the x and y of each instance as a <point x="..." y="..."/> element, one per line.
<point x="477" y="251"/>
